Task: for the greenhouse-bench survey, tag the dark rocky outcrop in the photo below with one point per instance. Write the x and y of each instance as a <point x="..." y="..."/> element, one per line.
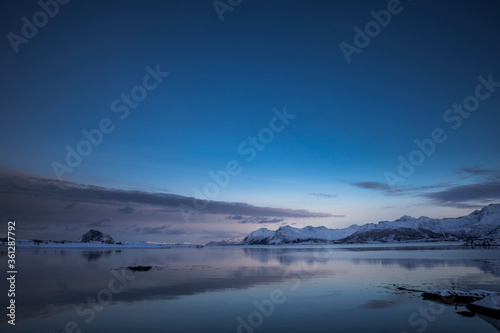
<point x="96" y="236"/>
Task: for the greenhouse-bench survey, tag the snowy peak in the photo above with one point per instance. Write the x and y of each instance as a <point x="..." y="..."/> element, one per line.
<point x="479" y="224"/>
<point x="259" y="236"/>
<point x="405" y="218"/>
<point x="287" y="234"/>
<point x="484" y="215"/>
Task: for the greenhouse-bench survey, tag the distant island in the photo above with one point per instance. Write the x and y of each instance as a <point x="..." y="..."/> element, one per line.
<point x="96" y="236"/>
<point x="92" y="239"/>
<point x="480" y="228"/>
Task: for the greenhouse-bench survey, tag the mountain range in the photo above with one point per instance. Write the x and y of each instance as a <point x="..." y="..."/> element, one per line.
<point x="480" y="224"/>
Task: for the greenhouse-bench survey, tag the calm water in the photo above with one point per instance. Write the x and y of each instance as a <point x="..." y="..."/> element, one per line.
<point x="249" y="289"/>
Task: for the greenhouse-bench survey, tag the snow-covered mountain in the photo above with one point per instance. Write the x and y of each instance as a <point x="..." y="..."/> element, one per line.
<point x="479" y="224"/>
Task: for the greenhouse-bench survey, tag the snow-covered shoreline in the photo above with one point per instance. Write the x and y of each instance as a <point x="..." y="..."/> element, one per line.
<point x="478" y="300"/>
<point x="94" y="245"/>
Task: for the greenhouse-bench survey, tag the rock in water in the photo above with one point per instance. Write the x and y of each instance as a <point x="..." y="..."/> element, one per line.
<point x="96" y="236"/>
<point x="140" y="268"/>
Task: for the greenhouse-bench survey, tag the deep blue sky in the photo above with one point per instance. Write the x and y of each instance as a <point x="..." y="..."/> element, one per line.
<point x="225" y="78"/>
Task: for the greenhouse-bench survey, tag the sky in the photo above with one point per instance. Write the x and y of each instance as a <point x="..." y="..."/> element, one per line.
<point x="192" y="121"/>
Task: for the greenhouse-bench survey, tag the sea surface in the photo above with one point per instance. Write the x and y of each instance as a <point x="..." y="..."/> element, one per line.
<point x="340" y="288"/>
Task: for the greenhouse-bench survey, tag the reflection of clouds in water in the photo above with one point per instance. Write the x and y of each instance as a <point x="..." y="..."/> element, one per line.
<point x="65" y="286"/>
<point x="95" y="255"/>
<point x="381" y="303"/>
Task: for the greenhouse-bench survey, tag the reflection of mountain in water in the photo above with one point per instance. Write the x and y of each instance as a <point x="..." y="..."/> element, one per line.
<point x="487" y="266"/>
<point x="322" y="255"/>
<point x="70" y="279"/>
<point x="95" y="255"/>
<point x="492" y="321"/>
<point x="286" y="256"/>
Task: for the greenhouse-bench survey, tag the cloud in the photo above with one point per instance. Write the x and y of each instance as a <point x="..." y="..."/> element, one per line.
<point x="466" y="196"/>
<point x="235" y="217"/>
<point x="151" y="230"/>
<point x="255" y="219"/>
<point x="35" y="227"/>
<point x="165" y="229"/>
<point x="480" y="173"/>
<point x="126" y="210"/>
<point x="373" y="186"/>
<point x="323" y="195"/>
<point x="100" y="223"/>
<point x="478" y="170"/>
<point x="52" y="189"/>
<point x="429" y="187"/>
<point x="473" y="196"/>
<point x="221" y="234"/>
<point x="399" y="190"/>
<point x="71" y="205"/>
<point x="484" y="190"/>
